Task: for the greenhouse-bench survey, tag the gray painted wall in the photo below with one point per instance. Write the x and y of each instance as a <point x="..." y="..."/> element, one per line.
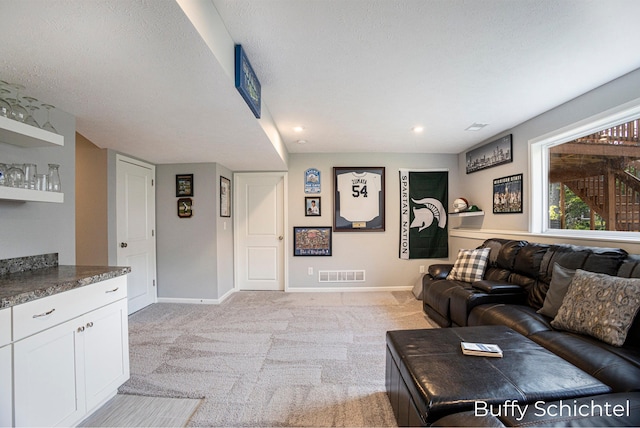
<point x="195" y="255"/>
<point x="375" y="252"/>
<point x="478" y="185"/>
<point x="30" y="228"/>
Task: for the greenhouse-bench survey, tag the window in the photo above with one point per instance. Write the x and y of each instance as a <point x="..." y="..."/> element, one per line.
<point x="588" y="176"/>
<point x="594" y="181"/>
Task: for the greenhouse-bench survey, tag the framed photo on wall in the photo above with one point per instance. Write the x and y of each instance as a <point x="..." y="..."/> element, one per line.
<point x="312" y="241"/>
<point x="507" y="194"/>
<point x="358" y="199"/>
<point x="312" y="206"/>
<point x="184" y="184"/>
<point x="225" y="197"/>
<point x="185" y="207"/>
<point x="492" y="154"/>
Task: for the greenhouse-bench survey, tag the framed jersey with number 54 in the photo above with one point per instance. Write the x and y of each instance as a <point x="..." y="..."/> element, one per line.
<point x="358" y="199"/>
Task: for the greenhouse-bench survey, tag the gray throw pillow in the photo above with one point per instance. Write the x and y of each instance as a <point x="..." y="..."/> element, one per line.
<point x="560" y="280"/>
<point x="599" y="305"/>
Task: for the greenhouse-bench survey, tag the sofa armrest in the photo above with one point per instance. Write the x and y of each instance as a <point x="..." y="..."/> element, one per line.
<point x="464" y="299"/>
<point x="497" y="287"/>
<point x="439" y="271"/>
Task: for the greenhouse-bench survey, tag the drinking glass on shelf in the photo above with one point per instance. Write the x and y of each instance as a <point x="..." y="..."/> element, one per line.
<point x="54" y="178"/>
<point x="18" y="112"/>
<point x="30" y="120"/>
<point x="5" y="107"/>
<point x="15" y="176"/>
<point x="30" y="172"/>
<point x="42" y="182"/>
<point x="3" y="174"/>
<point x="48" y="126"/>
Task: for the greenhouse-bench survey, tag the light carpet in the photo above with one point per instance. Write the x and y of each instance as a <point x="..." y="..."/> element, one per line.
<point x="273" y="358"/>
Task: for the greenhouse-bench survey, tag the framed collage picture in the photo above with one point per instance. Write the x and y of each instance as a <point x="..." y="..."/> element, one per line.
<point x="312" y="241"/>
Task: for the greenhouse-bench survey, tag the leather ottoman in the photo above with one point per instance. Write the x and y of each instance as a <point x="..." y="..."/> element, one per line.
<point x="428" y="377"/>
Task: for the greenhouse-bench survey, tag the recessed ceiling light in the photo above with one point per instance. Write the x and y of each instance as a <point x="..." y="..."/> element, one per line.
<point x="476" y="126"/>
<point x="298" y="128"/>
<point x="417" y="129"/>
<point x="301" y="141"/>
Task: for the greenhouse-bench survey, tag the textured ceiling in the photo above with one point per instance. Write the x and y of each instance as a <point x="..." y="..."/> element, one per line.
<point x="358" y="74"/>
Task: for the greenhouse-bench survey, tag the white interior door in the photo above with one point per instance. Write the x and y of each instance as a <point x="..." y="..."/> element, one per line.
<point x="136" y="201"/>
<point x="260" y="238"/>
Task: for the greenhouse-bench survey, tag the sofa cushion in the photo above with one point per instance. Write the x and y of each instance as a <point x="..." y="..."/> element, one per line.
<point x="520" y="318"/>
<point x="470" y="265"/>
<point x="528" y="259"/>
<point x="599" y="305"/>
<point x="593" y="259"/>
<point x="616" y="367"/>
<point x="560" y="281"/>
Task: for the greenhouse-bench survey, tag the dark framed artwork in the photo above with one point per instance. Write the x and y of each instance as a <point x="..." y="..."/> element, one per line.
<point x="225" y="197"/>
<point x="184" y="184"/>
<point x="312" y="206"/>
<point x="507" y="194"/>
<point x="185" y="207"/>
<point x="358" y="199"/>
<point x="492" y="154"/>
<point x="312" y="241"/>
<point x="247" y="82"/>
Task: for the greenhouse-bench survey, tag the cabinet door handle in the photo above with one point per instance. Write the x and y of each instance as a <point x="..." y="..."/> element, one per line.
<point x="123" y="245"/>
<point x="44" y="314"/>
<point x="112" y="291"/>
<point x="90" y="324"/>
<point x="80" y="329"/>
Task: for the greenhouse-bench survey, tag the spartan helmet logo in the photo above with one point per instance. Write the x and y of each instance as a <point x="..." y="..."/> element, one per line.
<point x="423" y="217"/>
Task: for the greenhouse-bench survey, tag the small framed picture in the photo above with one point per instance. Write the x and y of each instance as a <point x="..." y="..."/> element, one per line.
<point x="312" y="241"/>
<point x="312" y="206"/>
<point x="507" y="194"/>
<point x="184" y="184"/>
<point x="225" y="197"/>
<point x="185" y="207"/>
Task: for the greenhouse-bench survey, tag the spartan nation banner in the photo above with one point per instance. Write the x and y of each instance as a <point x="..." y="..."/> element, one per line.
<point x="423" y="216"/>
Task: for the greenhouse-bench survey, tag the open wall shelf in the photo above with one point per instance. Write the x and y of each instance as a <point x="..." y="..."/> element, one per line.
<point x="20" y="134"/>
<point x="467" y="214"/>
<point x="16" y="194"/>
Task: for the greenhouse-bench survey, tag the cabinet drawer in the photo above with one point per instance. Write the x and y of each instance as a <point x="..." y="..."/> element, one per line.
<point x="5" y="326"/>
<point x="38" y="315"/>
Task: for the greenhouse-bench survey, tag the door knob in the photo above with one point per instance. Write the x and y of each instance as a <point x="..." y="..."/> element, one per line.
<point x="123" y="245"/>
<point x="280" y="237"/>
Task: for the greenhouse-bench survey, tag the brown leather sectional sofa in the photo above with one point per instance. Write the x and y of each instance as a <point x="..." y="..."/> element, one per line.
<point x="513" y="290"/>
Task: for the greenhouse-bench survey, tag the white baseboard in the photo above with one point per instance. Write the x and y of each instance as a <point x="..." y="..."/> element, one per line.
<point x="196" y="301"/>
<point x="346" y="289"/>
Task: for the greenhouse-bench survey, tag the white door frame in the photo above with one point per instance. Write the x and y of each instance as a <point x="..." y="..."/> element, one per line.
<point x="285" y="213"/>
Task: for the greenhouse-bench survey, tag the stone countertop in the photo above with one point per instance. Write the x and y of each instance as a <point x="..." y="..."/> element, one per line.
<point x="22" y="287"/>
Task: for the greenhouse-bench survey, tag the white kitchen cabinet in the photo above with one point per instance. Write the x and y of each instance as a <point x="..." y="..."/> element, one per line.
<point x="63" y="372"/>
<point x="6" y="384"/>
<point x="45" y="369"/>
<point x="106" y="352"/>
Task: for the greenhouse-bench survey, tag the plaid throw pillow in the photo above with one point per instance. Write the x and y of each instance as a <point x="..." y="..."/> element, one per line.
<point x="470" y="265"/>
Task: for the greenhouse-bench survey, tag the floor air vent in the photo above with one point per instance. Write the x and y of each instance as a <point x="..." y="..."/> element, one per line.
<point x="341" y="276"/>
